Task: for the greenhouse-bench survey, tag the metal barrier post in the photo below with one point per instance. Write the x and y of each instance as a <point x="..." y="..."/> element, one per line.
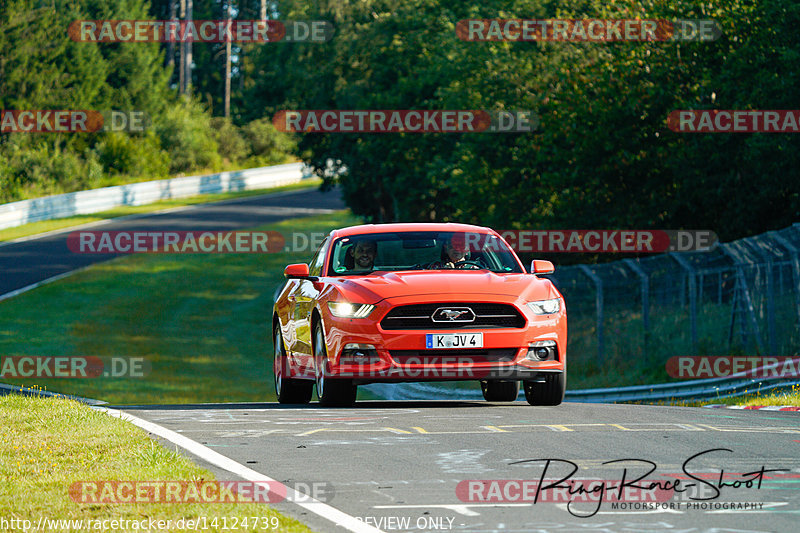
<point x="771" y="340"/>
<point x="599" y="307"/>
<point x="795" y="267"/>
<point x="633" y="265"/>
<point x="692" y="295"/>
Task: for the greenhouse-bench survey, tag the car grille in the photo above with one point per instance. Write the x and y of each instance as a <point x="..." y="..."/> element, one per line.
<point x="487" y="316"/>
<point x="479" y="356"/>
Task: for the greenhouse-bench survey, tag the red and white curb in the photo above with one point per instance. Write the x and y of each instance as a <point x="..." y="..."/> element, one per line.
<point x="757" y="407"/>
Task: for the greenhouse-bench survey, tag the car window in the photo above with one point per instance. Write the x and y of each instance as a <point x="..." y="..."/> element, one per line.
<point x="315" y="266"/>
<point x="423" y="251"/>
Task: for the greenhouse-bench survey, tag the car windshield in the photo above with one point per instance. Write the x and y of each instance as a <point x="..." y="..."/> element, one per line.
<point x="421" y="250"/>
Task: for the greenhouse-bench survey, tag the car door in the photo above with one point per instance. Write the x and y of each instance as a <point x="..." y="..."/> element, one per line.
<point x="305" y="298"/>
<point x="285" y="307"/>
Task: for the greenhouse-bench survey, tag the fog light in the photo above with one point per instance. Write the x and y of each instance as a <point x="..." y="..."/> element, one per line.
<point x="542" y="351"/>
<point x="359" y="354"/>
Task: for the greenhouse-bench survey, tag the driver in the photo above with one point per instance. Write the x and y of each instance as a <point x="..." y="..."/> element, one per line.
<point x="362" y="255"/>
<point x="454" y="251"/>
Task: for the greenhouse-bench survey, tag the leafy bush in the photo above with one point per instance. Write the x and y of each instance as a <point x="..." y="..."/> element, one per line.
<point x="232" y="145"/>
<point x="120" y="153"/>
<point x="186" y="134"/>
<point x="267" y="145"/>
<point x="43" y="169"/>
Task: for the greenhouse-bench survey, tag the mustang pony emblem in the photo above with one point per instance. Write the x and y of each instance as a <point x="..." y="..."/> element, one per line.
<point x="452" y="315"/>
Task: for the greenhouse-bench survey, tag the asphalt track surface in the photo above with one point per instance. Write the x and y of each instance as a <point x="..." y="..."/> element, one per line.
<point x="32" y="261"/>
<point x="398" y="465"/>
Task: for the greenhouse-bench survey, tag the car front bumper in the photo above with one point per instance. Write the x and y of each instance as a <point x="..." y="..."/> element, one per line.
<point x="402" y="355"/>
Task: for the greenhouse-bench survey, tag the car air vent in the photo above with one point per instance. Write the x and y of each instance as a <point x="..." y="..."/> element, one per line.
<point x="497" y="355"/>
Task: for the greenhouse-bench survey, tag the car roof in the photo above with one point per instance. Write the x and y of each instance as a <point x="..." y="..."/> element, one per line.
<point x="408" y="226"/>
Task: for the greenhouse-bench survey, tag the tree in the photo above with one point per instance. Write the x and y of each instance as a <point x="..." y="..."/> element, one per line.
<point x="603" y="156"/>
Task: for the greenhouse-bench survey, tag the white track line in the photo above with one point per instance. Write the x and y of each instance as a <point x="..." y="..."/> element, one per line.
<point x="317" y="507"/>
<point x="40" y="283"/>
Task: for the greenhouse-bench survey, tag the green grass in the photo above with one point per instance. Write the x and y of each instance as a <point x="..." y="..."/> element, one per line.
<point x="782" y="397"/>
<point x="48" y="444"/>
<point x="786" y="397"/>
<point x="35" y="228"/>
<point x="789" y="397"/>
<point x="202" y="321"/>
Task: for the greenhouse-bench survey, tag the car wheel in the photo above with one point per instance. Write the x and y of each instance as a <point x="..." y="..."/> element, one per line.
<point x="287" y="389"/>
<point x="551" y="392"/>
<point x="331" y="392"/>
<point x="500" y="391"/>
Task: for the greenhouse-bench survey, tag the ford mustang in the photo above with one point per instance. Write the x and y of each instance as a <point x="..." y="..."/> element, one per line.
<point x="418" y="302"/>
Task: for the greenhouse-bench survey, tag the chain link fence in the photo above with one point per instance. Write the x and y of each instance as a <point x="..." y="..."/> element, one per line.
<point x="741" y="297"/>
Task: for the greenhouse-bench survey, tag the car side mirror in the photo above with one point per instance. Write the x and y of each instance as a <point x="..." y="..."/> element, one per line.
<point x="296" y="271"/>
<point x="540" y="266"/>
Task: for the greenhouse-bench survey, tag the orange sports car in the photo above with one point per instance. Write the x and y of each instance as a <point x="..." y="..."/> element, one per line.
<point x="418" y="302"/>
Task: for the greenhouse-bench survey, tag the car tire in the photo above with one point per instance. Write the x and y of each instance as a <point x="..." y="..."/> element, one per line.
<point x="551" y="392"/>
<point x="288" y="390"/>
<point x="331" y="392"/>
<point x="500" y="391"/>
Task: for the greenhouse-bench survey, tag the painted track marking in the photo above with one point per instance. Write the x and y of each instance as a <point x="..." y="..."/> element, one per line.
<point x="317" y="507"/>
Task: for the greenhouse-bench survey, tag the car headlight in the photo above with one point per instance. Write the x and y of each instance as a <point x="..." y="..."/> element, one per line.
<point x="545" y="307"/>
<point x="348" y="310"/>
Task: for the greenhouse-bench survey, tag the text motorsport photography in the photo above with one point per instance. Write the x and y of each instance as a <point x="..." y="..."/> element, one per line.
<point x="639" y="486"/>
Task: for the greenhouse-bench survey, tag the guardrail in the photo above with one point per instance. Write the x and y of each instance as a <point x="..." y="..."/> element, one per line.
<point x="700" y="389"/>
<point x="96" y="200"/>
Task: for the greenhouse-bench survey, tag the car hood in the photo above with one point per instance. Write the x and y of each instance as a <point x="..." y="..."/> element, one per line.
<point x="380" y="286"/>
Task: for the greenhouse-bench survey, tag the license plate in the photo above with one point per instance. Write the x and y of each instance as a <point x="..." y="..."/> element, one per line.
<point x="434" y="341"/>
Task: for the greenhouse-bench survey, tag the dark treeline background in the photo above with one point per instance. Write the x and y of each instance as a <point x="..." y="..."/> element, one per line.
<point x="603" y="156"/>
<point x="41" y="69"/>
